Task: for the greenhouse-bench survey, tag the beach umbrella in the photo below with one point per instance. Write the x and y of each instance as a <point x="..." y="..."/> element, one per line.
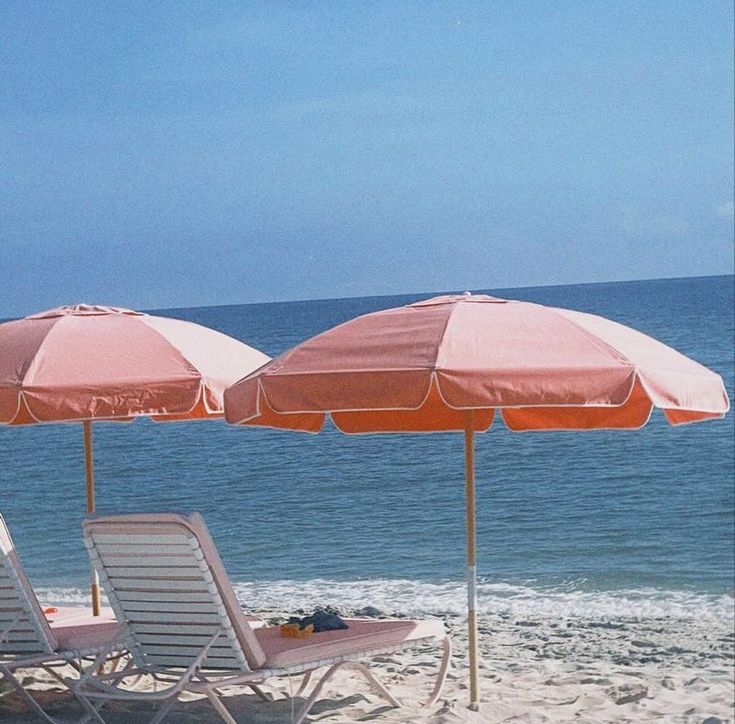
<point x="85" y="362"/>
<point x="449" y="363"/>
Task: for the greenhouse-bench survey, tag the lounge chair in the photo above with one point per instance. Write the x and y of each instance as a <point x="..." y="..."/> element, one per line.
<point x="183" y="624"/>
<point x="30" y="638"/>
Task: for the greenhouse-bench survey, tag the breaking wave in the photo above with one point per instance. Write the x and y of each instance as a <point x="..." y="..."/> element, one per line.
<point x="448" y="597"/>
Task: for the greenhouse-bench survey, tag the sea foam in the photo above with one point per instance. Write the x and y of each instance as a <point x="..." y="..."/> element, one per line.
<point x="449" y="597"/>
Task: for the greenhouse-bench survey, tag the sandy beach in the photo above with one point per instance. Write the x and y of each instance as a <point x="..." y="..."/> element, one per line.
<point x="532" y="670"/>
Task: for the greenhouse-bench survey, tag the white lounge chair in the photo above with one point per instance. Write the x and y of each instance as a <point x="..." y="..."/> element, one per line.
<point x="183" y="624"/>
<point x="31" y="639"/>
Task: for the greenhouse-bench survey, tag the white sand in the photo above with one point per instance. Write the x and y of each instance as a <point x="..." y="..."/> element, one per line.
<point x="533" y="670"/>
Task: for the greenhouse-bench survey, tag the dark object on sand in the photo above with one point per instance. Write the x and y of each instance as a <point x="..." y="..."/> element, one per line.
<point x="321" y="621"/>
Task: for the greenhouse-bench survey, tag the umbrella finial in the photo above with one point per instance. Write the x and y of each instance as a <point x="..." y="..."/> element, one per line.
<point x="84" y="310"/>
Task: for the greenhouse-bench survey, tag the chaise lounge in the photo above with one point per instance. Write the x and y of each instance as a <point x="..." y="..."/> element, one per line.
<point x="184" y="627"/>
<point x="31" y="638"/>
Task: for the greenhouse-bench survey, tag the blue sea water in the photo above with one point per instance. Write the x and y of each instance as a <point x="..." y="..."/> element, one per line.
<point x="604" y="523"/>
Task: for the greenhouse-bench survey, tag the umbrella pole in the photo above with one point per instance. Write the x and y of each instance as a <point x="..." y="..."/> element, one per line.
<point x="469" y="449"/>
<point x="89" y="470"/>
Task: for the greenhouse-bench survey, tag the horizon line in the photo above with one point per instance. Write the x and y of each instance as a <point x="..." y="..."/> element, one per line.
<point x="438" y="291"/>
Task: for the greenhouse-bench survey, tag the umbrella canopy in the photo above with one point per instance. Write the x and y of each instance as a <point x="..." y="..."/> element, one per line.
<point x="419" y="366"/>
<point x="86" y="362"/>
<point x="450" y="362"/>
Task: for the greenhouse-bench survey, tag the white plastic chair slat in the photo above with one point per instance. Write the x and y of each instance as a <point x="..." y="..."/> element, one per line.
<point x="220" y="663"/>
<point x="12" y="618"/>
<point x="171" y="628"/>
<point x="175" y="572"/>
<point x="22" y="647"/>
<point x="139" y="540"/>
<point x="182" y="662"/>
<point x="21" y="634"/>
<point x="135" y="584"/>
<point x="170" y="596"/>
<point x="136" y="549"/>
<point x="199" y="640"/>
<point x="186" y="560"/>
<point x="158" y="649"/>
<point x="12" y="610"/>
<point x="179" y="607"/>
<point x="172" y="617"/>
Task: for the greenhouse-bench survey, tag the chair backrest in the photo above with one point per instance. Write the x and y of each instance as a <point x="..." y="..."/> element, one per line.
<point x="24" y="630"/>
<point x="169" y="590"/>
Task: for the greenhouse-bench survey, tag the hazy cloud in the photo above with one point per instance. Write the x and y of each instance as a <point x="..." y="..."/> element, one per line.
<point x="726" y="210"/>
<point x="637" y="221"/>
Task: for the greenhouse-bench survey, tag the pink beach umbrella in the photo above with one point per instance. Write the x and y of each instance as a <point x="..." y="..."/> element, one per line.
<point x="84" y="363"/>
<point x="448" y="363"/>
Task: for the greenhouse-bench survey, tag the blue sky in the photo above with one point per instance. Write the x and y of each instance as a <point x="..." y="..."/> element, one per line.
<point x="190" y="153"/>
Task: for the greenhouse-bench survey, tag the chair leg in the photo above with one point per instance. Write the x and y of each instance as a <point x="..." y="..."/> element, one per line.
<point x="165" y="709"/>
<point x="92" y="708"/>
<point x="93" y="713"/>
<point x="219" y="707"/>
<point x="89" y="707"/>
<point x="301" y="715"/>
<point x="117" y="674"/>
<point x="374" y="683"/>
<point x="442" y="675"/>
<point x="261" y="694"/>
<point x="10" y="677"/>
<point x="304" y="683"/>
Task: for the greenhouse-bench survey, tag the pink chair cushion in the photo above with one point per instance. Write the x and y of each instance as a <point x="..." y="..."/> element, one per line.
<point x="82" y="630"/>
<point x="362" y="635"/>
<point x="57" y="614"/>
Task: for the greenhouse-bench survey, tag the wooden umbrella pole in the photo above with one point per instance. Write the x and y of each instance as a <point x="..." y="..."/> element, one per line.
<point x="469" y="447"/>
<point x="89" y="469"/>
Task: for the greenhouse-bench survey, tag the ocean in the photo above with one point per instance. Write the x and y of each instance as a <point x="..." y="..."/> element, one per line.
<point x="597" y="524"/>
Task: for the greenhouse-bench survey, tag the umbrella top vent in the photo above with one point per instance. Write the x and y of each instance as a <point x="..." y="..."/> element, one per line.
<point x="465" y="298"/>
<point x="83" y="310"/>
